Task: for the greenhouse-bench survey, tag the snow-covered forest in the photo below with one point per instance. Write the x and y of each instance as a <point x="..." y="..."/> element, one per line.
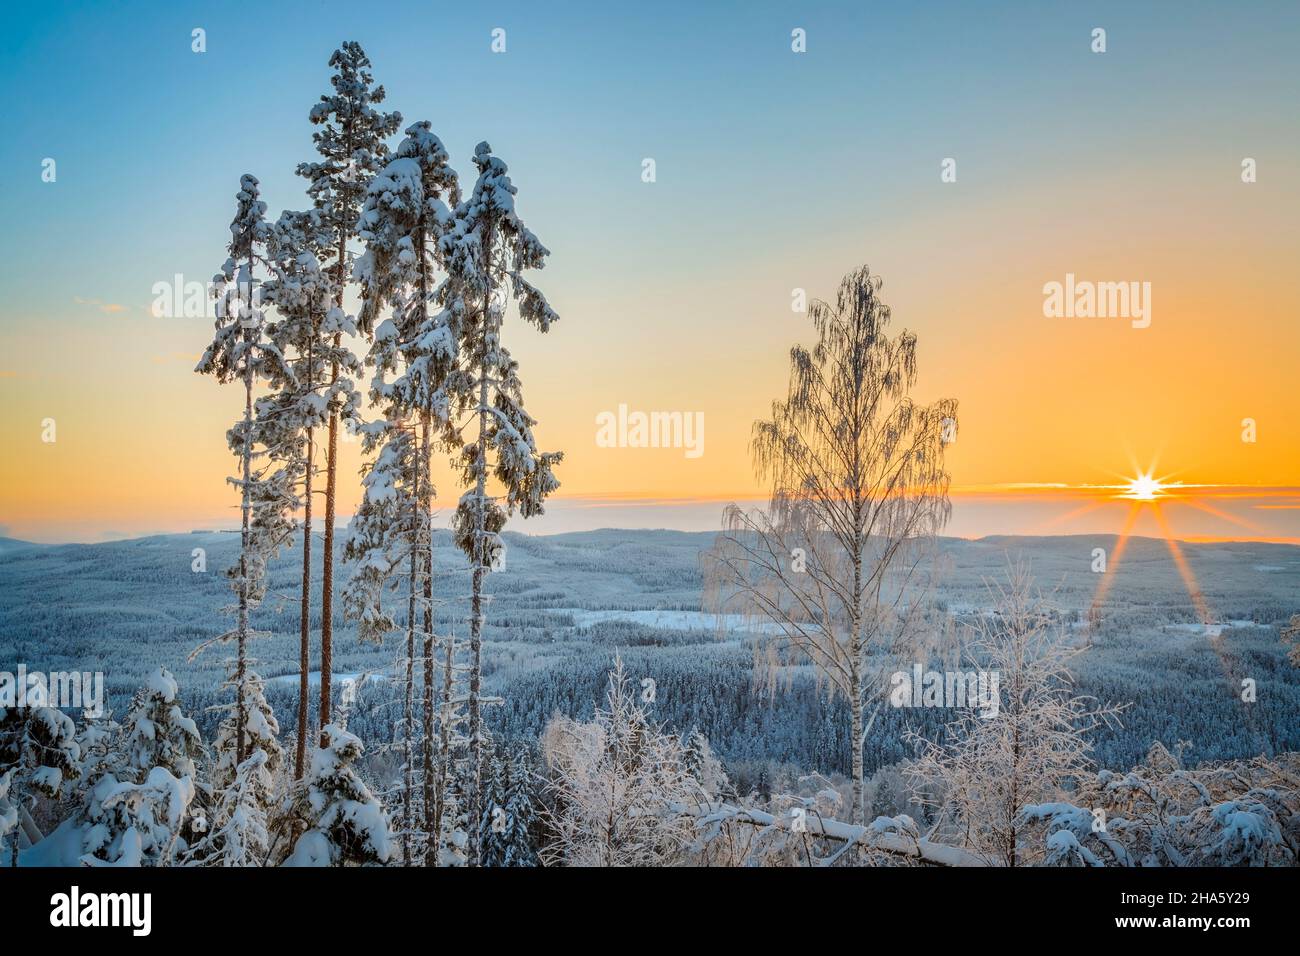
<point x="414" y="685"/>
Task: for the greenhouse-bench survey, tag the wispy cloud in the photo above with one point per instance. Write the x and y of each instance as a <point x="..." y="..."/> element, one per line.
<point x="113" y="308"/>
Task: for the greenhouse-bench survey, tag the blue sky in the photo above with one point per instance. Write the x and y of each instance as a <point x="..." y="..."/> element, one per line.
<point x="148" y="134"/>
<point x="774" y="170"/>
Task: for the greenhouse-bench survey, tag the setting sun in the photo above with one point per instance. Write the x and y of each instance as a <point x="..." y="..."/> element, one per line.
<point x="1144" y="488"/>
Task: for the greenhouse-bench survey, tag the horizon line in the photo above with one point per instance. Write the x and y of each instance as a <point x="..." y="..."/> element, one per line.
<point x="1290" y="541"/>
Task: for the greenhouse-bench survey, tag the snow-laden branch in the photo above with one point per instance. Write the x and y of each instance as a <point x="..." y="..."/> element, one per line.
<point x="884" y="834"/>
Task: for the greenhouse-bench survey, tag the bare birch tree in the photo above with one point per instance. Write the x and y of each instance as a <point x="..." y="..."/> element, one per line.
<point x="839" y="561"/>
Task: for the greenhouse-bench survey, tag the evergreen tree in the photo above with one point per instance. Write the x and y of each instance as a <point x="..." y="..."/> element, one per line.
<point x="237" y="834"/>
<point x="305" y="330"/>
<point x="382" y="541"/>
<point x="241" y="351"/>
<point x="521" y="813"/>
<point x="344" y="822"/>
<point x="453" y="821"/>
<point x="494" y="823"/>
<point x="38" y="752"/>
<point x="244" y="793"/>
<point x="413" y="354"/>
<point x="487" y="251"/>
<point x="137" y="810"/>
<point x="126" y="823"/>
<point x="452" y="742"/>
<point x="351" y="145"/>
<point x="764" y="787"/>
<point x="156" y="732"/>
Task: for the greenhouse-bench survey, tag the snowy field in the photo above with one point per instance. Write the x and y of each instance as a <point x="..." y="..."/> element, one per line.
<point x="565" y="605"/>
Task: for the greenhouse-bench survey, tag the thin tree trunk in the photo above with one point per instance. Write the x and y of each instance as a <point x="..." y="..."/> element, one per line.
<point x="331" y="481"/>
<point x="855" y="672"/>
<point x="476" y="603"/>
<point x="408" y="716"/>
<point x="444" y="735"/>
<point x="327" y="568"/>
<point x="426" y="501"/>
<point x="1014" y="796"/>
<point x="246" y="456"/>
<point x="859" y="812"/>
<point x="304" y="630"/>
<point x="331" y="472"/>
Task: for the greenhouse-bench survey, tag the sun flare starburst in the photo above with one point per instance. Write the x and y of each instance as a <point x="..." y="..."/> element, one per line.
<point x="1148" y="494"/>
<point x="1145" y="487"/>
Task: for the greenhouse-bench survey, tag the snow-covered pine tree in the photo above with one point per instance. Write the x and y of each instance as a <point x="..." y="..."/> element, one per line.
<point x="307" y="329"/>
<point x="343" y="821"/>
<point x="137" y="809"/>
<point x="453" y="822"/>
<point x="136" y="824"/>
<point x="383" y="542"/>
<point x="509" y="812"/>
<point x="156" y="732"/>
<point x="521" y="812"/>
<point x="487" y="251"/>
<point x="351" y="145"/>
<point x="402" y="222"/>
<point x="705" y="769"/>
<point x="237" y="832"/>
<point x="241" y="351"/>
<point x="96" y="740"/>
<point x="452" y="743"/>
<point x="494" y="823"/>
<point x="263" y="734"/>
<point x="38" y="752"/>
<point x="239" y="794"/>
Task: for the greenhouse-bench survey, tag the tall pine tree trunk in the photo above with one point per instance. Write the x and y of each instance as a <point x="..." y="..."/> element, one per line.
<point x="476" y="602"/>
<point x="246" y="457"/>
<point x="327" y="569"/>
<point x="426" y="502"/>
<point x="444" y="738"/>
<point x="304" y="628"/>
<point x="408" y="704"/>
<point x="331" y="481"/>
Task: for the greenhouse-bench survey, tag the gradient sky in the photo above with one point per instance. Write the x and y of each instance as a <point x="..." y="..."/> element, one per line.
<point x="774" y="171"/>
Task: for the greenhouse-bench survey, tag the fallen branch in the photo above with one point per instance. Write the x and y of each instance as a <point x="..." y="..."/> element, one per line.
<point x="881" y="835"/>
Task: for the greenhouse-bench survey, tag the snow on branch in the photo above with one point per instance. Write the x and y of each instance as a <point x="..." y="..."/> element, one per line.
<point x="898" y="836"/>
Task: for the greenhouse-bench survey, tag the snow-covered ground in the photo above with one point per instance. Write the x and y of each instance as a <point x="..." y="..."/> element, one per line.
<point x="1208" y="630"/>
<point x="313" y="678"/>
<point x="671" y="620"/>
